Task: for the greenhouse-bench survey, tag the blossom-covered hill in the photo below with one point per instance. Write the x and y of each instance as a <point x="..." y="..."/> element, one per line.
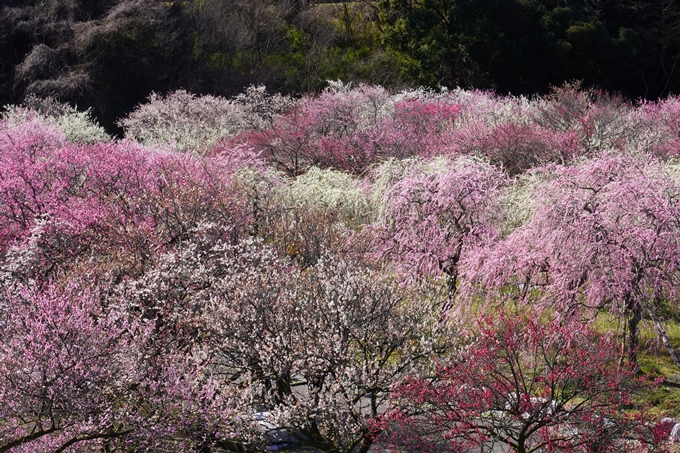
<point x="323" y="262"/>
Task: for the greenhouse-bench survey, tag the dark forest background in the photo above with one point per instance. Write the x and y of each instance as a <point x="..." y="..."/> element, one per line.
<point x="109" y="55"/>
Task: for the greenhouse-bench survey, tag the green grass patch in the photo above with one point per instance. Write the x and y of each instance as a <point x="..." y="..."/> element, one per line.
<point x="654" y="360"/>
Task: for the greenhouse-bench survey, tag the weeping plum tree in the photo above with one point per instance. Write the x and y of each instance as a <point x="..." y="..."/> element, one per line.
<point x="604" y="233"/>
<point x="437" y="212"/>
<point x="527" y="385"/>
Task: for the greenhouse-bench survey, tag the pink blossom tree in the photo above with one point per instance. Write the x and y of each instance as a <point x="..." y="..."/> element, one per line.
<point x="598" y="120"/>
<point x="570" y="122"/>
<point x="83" y="367"/>
<point x="527" y="385"/>
<point x="603" y="233"/>
<point x="77" y="372"/>
<point x="350" y="128"/>
<point x="438" y="211"/>
<point x="516" y="146"/>
<point x="658" y="127"/>
<point x="505" y="130"/>
<point x="111" y="206"/>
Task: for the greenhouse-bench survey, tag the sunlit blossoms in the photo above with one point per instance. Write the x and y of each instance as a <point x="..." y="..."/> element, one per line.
<point x="359" y="269"/>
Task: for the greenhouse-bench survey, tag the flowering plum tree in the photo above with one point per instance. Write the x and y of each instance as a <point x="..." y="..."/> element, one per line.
<point x="515" y="146"/>
<point x="527" y="385"/>
<point x="319" y="131"/>
<point x="596" y="119"/>
<point x="78" y="373"/>
<point x="439" y="211"/>
<point x="317" y="213"/>
<point x="77" y="126"/>
<point x="349" y="128"/>
<point x="603" y="233"/>
<point x="110" y="204"/>
<point x="317" y="349"/>
<point x="189" y="123"/>
<point x="82" y="368"/>
<point x="502" y="129"/>
<point x="658" y="127"/>
<point x="571" y="122"/>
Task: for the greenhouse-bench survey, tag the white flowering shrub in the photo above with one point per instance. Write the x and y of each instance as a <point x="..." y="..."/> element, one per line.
<point x="188" y="123"/>
<point x="489" y="108"/>
<point x="78" y="126"/>
<point x="328" y="189"/>
<point x="318" y="350"/>
<point x="183" y="121"/>
<point x="261" y="109"/>
<point x="517" y="200"/>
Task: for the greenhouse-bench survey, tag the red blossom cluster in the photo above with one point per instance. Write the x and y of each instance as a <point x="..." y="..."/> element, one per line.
<point x="525" y="384"/>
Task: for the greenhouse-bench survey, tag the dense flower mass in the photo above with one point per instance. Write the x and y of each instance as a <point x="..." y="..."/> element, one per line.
<point x="240" y="271"/>
<point x="533" y="386"/>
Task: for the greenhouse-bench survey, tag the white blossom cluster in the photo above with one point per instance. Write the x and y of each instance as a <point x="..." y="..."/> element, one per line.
<point x="78" y="126"/>
<point x="189" y="123"/>
<point x="317" y="349"/>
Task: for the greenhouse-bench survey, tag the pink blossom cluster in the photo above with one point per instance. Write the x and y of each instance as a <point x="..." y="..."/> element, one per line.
<point x="315" y="270"/>
<point x="81" y="368"/>
<point x="351" y="128"/>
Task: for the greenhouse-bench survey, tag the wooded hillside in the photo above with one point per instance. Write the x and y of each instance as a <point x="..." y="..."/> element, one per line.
<point x="111" y="54"/>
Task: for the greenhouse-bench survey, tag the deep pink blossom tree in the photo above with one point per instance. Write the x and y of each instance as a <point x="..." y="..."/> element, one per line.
<point x="350" y="128"/>
<point x="570" y="122"/>
<point x="527" y="385"/>
<point x="515" y="146"/>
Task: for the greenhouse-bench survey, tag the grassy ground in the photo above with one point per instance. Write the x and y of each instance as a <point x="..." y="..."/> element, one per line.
<point x="655" y="361"/>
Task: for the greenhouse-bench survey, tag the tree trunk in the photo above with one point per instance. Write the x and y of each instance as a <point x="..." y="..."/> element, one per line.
<point x="450" y="270"/>
<point x="661" y="332"/>
<point x="365" y="445"/>
<point x="634" y="311"/>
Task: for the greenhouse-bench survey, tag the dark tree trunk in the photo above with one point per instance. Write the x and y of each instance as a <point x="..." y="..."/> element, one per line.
<point x="634" y="312"/>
